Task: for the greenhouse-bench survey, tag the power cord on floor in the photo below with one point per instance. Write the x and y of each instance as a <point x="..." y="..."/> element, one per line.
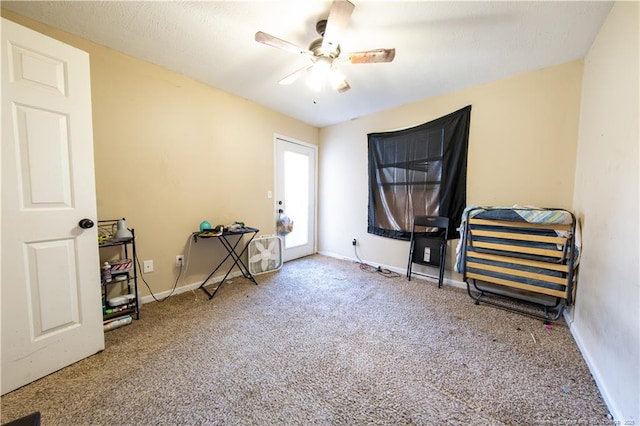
<point x="175" y="284"/>
<point x="365" y="267"/>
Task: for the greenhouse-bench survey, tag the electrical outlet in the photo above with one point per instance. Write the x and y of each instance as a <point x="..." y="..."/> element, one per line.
<point x="179" y="260"/>
<point x="147" y="266"/>
<point x="354" y="242"/>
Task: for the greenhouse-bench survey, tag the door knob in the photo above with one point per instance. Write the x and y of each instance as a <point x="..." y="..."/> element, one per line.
<point x="85" y="223"/>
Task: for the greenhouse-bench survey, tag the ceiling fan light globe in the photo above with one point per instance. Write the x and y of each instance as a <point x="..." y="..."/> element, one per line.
<point x="322" y="66"/>
<point x="315" y="84"/>
<point x="336" y="79"/>
<point x="319" y="73"/>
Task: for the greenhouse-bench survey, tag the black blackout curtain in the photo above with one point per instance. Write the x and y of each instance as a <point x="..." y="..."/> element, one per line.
<point x="418" y="171"/>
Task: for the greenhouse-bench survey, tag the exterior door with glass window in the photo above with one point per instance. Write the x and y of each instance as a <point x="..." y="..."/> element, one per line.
<point x="296" y="195"/>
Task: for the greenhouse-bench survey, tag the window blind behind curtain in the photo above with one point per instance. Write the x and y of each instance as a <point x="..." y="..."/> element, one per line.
<point x="418" y="171"/>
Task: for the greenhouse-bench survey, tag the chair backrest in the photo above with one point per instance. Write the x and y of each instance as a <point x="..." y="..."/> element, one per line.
<point x="440" y="222"/>
<point x="431" y="222"/>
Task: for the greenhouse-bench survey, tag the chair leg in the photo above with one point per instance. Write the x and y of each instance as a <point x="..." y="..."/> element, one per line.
<point x="410" y="260"/>
<point x="443" y="257"/>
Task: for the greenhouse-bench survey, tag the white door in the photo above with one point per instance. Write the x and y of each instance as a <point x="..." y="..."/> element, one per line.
<point x="296" y="195"/>
<point x="50" y="290"/>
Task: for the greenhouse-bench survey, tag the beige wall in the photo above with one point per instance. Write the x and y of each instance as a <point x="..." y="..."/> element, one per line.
<point x="522" y="148"/>
<point x="606" y="322"/>
<point x="171" y="152"/>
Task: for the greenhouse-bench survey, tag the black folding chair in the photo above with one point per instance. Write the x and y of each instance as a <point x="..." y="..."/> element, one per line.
<point x="429" y="248"/>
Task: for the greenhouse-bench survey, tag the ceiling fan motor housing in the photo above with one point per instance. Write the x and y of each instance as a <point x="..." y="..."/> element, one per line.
<point x="321" y="26"/>
<point x="316" y="48"/>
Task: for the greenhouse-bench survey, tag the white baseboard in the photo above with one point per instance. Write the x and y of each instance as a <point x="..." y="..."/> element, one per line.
<point x="186" y="287"/>
<point x="419" y="275"/>
<point x="445" y="280"/>
<point x="595" y="372"/>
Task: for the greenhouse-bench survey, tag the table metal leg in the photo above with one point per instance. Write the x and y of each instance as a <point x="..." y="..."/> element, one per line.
<point x="238" y="257"/>
<point x="237" y="261"/>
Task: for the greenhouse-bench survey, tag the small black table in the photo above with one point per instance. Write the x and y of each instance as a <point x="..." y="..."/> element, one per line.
<point x="232" y="250"/>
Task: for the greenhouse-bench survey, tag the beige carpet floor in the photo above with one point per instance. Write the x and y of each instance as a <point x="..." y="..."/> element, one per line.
<point x="322" y="342"/>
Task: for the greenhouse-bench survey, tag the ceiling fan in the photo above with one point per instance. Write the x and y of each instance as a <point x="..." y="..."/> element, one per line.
<point x="324" y="52"/>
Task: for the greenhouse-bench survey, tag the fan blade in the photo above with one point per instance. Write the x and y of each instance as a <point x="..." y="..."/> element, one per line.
<point x="337" y="21"/>
<point x="343" y="87"/>
<point x="278" y="43"/>
<point x="371" y="56"/>
<point x="294" y="75"/>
